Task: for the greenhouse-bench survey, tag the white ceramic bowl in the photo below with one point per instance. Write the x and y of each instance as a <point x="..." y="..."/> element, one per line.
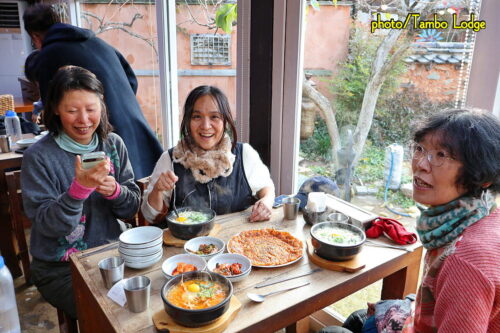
<point x="194" y="244"/>
<point x="140" y="251"/>
<point x="141" y="237"/>
<point x="139" y="256"/>
<point x="153" y="243"/>
<point x="26" y="142"/>
<point x="140" y="264"/>
<point x="231" y="258"/>
<point x="171" y="263"/>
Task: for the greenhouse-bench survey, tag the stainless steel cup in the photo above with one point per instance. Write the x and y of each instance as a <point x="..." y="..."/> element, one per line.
<point x="111" y="270"/>
<point x="291" y="207"/>
<point x="137" y="290"/>
<point x="338" y="217"/>
<point x="5" y="144"/>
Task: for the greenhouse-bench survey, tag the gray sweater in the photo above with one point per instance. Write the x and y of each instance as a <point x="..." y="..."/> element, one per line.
<point x="61" y="224"/>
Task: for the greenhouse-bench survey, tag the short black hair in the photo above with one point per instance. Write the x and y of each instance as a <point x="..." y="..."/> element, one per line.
<point x="222" y="104"/>
<point x="69" y="78"/>
<point x="471" y="136"/>
<point x="39" y="18"/>
<point x="30" y="66"/>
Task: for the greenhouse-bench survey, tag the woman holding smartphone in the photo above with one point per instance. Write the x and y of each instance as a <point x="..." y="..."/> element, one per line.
<point x="73" y="206"/>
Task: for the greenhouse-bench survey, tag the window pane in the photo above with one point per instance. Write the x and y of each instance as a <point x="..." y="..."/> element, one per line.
<point x="130" y="27"/>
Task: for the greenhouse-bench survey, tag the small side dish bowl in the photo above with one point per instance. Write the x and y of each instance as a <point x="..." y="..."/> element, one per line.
<point x="170" y="264"/>
<point x="231" y="258"/>
<point x="190" y="230"/>
<point x="336" y="251"/>
<point x="196" y="317"/>
<point x="193" y="246"/>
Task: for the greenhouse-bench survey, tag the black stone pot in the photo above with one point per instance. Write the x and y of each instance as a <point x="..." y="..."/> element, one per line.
<point x="196" y="318"/>
<point x="188" y="231"/>
<point x="336" y="252"/>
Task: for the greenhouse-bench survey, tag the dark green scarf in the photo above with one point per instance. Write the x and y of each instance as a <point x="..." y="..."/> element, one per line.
<point x="440" y="225"/>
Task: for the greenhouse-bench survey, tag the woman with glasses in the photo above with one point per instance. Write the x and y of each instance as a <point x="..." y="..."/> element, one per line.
<point x="456" y="175"/>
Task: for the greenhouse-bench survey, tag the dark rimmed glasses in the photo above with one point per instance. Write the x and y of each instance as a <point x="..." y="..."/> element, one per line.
<point x="435" y="157"/>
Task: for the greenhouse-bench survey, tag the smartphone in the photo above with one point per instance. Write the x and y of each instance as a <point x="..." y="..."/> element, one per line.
<point x="89" y="160"/>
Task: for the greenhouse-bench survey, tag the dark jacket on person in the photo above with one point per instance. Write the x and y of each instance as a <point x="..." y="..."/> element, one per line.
<point x="65" y="44"/>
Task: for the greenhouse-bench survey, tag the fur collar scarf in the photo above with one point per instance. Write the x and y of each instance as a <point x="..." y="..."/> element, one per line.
<point x="206" y="165"/>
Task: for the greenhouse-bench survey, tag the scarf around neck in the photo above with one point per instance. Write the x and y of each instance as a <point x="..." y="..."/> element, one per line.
<point x="440" y="225"/>
<point x="68" y="144"/>
<point x="205" y="165"/>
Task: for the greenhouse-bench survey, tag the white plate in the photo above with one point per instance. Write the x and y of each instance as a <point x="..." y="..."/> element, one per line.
<point x="272" y="266"/>
<point x="135" y="247"/>
<point x="171" y="263"/>
<point x="25" y="142"/>
<point x="140" y="251"/>
<point x="140" y="236"/>
<point x="231" y="258"/>
<point x="143" y="264"/>
<point x="147" y="257"/>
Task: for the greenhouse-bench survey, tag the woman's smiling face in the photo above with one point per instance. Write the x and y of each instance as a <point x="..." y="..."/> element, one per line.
<point x="435" y="185"/>
<point x="80" y="114"/>
<point x="207" y="123"/>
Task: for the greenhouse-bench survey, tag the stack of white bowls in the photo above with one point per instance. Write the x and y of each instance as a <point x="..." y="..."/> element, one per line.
<point x="141" y="247"/>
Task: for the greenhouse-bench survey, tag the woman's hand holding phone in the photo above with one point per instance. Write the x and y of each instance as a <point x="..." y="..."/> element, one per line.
<point x="95" y="176"/>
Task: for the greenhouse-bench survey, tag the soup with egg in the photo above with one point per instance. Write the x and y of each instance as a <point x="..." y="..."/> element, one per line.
<point x="337" y="236"/>
<point x="192" y="217"/>
<point x="196" y="294"/>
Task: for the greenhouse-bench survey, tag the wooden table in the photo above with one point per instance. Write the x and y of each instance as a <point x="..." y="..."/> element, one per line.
<point x="8" y="242"/>
<point x="398" y="269"/>
<point x="23" y="105"/>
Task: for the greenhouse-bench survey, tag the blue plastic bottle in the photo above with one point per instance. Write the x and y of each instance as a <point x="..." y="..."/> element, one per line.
<point x="13" y="126"/>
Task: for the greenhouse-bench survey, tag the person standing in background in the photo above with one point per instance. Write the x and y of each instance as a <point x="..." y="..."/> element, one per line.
<point x="63" y="44"/>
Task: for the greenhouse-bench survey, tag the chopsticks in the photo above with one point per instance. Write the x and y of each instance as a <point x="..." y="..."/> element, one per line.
<point x="377" y="244"/>
<point x="111" y="246"/>
<point x="266" y="283"/>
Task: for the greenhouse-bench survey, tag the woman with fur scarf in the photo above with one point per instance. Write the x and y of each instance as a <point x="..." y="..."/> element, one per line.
<point x="208" y="167"/>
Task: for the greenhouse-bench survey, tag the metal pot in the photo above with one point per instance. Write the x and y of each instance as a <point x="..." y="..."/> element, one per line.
<point x="195" y="318"/>
<point x="336" y="252"/>
<point x="188" y="231"/>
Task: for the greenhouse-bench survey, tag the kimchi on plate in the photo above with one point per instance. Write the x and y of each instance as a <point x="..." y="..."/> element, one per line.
<point x="267" y="247"/>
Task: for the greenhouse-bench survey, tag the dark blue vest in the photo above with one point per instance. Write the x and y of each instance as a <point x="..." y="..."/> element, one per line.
<point x="223" y="194"/>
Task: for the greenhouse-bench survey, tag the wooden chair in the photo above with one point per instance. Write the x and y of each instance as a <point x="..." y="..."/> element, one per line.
<point x="19" y="223"/>
<point x="143" y="185"/>
<point x="19" y="220"/>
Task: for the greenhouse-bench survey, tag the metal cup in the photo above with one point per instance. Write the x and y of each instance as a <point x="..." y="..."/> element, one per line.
<point x="338" y="217"/>
<point x="291" y="207"/>
<point x="5" y="144"/>
<point x="111" y="270"/>
<point x="137" y="290"/>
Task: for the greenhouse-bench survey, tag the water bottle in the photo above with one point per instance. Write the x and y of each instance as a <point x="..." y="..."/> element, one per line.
<point x="9" y="319"/>
<point x="13" y="126"/>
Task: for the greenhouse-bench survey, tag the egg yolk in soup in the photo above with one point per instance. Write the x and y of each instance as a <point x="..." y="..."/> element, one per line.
<point x="196" y="294"/>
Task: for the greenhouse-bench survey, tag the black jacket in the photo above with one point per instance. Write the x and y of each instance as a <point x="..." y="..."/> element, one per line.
<point x="65" y="44"/>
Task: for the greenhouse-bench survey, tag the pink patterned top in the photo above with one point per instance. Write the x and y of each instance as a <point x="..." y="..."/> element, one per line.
<point x="460" y="291"/>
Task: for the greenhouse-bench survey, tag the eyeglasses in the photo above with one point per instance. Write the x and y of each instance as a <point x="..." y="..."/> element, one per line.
<point x="435" y="157"/>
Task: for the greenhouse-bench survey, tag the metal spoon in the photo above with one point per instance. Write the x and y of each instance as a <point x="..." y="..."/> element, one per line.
<point x="173" y="204"/>
<point x="260" y="298"/>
